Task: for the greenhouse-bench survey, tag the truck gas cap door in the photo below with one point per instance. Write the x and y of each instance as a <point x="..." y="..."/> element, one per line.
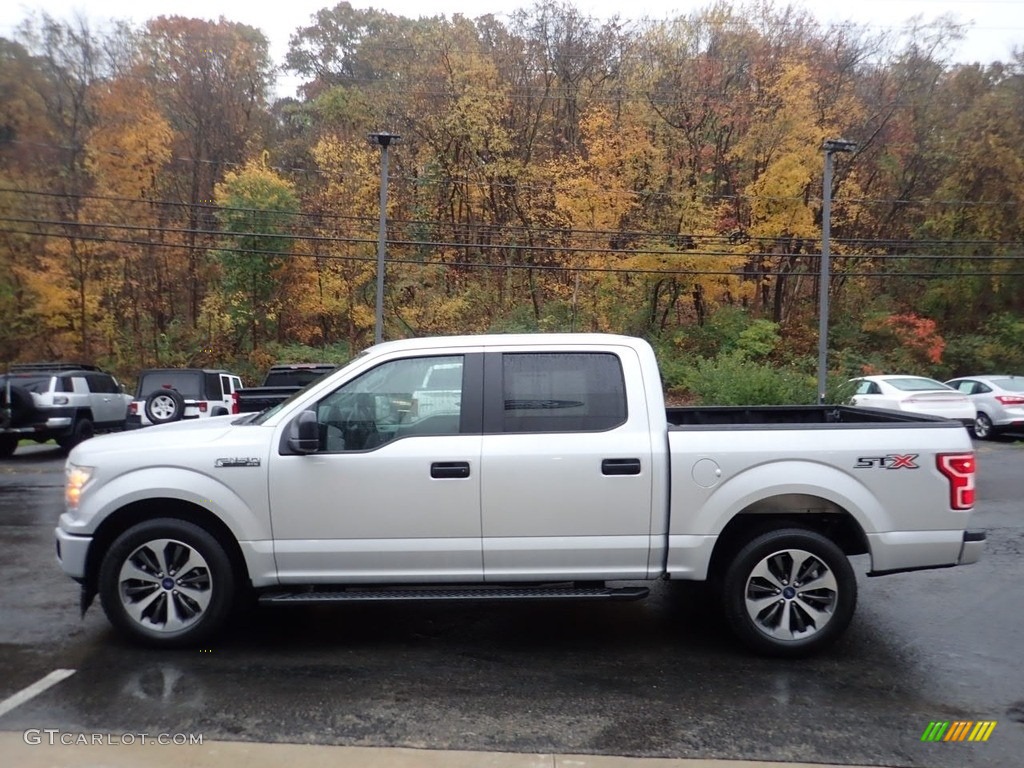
<point x="706" y="473"/>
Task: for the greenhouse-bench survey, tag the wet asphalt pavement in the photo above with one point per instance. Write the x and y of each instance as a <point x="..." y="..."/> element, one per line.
<point x="652" y="678"/>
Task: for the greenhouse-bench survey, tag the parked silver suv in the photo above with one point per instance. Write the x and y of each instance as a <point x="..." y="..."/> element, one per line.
<point x="66" y="402"/>
<point x="999" y="400"/>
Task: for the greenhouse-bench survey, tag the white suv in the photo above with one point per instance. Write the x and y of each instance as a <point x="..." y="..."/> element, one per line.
<point x="66" y="402"/>
<point x="164" y="395"/>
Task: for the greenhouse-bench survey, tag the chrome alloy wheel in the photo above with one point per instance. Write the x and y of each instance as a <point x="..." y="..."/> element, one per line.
<point x="165" y="585"/>
<point x="791" y="594"/>
<point x="163" y="407"/>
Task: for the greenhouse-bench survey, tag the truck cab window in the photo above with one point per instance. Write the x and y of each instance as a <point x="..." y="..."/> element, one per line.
<point x="562" y="392"/>
<point x="400" y="398"/>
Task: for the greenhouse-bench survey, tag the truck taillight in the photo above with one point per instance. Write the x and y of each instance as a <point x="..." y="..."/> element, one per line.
<point x="959" y="470"/>
<point x="234" y="402"/>
<point x="133" y="409"/>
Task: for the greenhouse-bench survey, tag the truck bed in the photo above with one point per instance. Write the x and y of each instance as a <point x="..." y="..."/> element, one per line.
<point x="783" y="416"/>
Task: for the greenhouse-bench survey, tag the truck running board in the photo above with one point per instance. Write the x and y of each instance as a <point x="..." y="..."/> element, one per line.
<point x="409" y="594"/>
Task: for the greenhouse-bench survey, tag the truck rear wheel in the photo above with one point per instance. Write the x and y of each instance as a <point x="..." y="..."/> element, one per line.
<point x="789" y="592"/>
<point x="166" y="583"/>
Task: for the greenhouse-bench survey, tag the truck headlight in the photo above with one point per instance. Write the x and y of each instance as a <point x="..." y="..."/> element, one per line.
<point x="75" y="479"/>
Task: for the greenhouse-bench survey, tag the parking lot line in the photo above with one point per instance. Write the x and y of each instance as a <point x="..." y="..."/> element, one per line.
<point x="26" y="694"/>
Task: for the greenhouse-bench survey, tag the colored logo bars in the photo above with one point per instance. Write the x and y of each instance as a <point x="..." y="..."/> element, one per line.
<point x="958" y="730"/>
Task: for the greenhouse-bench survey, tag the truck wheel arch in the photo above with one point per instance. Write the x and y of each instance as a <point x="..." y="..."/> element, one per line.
<point x="839" y="526"/>
<point x="822" y="499"/>
<point x="139" y="511"/>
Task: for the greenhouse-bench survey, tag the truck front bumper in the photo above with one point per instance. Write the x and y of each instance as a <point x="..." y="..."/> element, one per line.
<point x="72" y="551"/>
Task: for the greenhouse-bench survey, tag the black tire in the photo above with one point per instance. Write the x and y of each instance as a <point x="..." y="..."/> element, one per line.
<point x="83" y="430"/>
<point x="982" y="428"/>
<point x="8" y="445"/>
<point x="789" y="593"/>
<point x="165" y="406"/>
<point x="149" y="602"/>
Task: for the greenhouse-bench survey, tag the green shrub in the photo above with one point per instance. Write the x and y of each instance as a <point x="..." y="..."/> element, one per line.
<point x="734" y="379"/>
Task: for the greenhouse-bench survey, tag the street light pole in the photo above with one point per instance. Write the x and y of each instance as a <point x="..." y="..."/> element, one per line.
<point x="831" y="146"/>
<point x="384" y="140"/>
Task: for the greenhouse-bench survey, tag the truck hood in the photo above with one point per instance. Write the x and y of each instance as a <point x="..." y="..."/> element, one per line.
<point x="164" y="437"/>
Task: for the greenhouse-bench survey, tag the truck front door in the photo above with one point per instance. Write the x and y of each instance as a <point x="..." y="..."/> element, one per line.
<point x="391" y="495"/>
<point x="566" y="468"/>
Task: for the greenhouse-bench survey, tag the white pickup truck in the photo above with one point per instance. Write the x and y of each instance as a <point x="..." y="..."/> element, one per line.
<point x="560" y="476"/>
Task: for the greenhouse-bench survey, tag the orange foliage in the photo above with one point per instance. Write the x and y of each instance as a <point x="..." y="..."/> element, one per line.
<point x="916" y="337"/>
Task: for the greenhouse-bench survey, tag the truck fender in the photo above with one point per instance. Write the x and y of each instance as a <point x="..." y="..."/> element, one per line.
<point x="774" y="479"/>
<point x="694" y="534"/>
<point x="197" y="488"/>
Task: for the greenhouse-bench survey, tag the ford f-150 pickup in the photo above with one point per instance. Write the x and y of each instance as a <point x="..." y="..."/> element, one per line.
<point x="550" y="470"/>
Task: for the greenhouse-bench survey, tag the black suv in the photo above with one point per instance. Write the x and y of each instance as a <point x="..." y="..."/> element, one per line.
<point x="66" y="402"/>
<point x="171" y="394"/>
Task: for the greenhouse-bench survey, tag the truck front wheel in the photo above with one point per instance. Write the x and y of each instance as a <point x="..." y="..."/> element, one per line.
<point x="166" y="583"/>
<point x="789" y="592"/>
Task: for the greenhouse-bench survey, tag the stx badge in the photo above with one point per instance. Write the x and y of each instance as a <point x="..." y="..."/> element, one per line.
<point x="892" y="461"/>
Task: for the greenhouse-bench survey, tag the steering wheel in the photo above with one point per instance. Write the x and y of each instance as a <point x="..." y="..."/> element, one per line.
<point x="358" y="423"/>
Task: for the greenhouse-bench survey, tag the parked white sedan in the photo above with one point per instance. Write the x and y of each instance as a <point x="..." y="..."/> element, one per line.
<point x="913" y="394"/>
<point x="999" y="400"/>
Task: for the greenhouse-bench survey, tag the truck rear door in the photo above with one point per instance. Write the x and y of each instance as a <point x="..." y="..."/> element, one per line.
<point x="566" y="481"/>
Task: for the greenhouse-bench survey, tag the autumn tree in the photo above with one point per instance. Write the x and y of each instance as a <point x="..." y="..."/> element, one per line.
<point x="69" y="60"/>
<point x="211" y="80"/>
<point x="256" y="211"/>
<point x="127" y="155"/>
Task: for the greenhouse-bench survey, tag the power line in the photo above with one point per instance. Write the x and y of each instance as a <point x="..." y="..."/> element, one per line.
<point x="474" y="245"/>
<point x="490" y="183"/>
<point x="743" y="274"/>
<point x="496" y="229"/>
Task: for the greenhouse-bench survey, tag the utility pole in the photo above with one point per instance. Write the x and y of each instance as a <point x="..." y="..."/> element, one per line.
<point x="831" y="146"/>
<point x="384" y="140"/>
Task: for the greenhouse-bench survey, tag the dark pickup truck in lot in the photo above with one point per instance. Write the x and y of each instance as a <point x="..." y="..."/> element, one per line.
<point x="282" y="382"/>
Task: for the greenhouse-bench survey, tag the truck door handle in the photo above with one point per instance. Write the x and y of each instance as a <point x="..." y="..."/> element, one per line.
<point x="620" y="467"/>
<point x="456" y="469"/>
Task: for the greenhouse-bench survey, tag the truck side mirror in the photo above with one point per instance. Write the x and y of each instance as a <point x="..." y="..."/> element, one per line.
<point x="304" y="433"/>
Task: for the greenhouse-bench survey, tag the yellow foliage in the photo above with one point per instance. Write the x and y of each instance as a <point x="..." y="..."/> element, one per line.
<point x="132" y="142"/>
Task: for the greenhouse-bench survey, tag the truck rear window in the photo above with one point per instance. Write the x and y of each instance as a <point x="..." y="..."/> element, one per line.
<point x="299" y="377"/>
<point x="562" y="392"/>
